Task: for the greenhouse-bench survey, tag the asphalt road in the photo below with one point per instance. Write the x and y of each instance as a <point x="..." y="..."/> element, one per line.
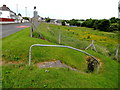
<point x="8" y="29"/>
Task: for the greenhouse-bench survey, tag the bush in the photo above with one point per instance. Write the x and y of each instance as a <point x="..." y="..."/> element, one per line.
<point x="26" y="18"/>
<point x="104" y="25"/>
<point x="113" y="20"/>
<point x="47" y="19"/>
<point x="74" y="22"/>
<point x="63" y="22"/>
<point x="114" y="27"/>
<point x="36" y="35"/>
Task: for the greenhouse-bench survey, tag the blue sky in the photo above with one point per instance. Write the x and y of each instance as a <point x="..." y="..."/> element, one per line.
<point x="66" y="9"/>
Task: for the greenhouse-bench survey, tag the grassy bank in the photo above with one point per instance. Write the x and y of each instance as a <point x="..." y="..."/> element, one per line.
<point x="80" y="37"/>
<point x="15" y="48"/>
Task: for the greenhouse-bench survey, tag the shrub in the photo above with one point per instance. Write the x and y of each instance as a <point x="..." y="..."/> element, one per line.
<point x="104" y="25"/>
<point x="47" y="19"/>
<point x="114" y="27"/>
<point x="63" y="22"/>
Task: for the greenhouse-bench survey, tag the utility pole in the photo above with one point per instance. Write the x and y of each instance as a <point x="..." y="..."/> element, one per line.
<point x="26" y="11"/>
<point x="17" y="8"/>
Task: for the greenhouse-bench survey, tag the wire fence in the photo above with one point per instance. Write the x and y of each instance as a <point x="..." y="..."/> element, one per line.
<point x="62" y="37"/>
<point x="34" y="24"/>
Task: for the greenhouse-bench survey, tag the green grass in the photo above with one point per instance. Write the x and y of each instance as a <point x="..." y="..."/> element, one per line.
<point x="16" y="48"/>
<point x="22" y="76"/>
<point x="20" y="48"/>
<point x="80" y="37"/>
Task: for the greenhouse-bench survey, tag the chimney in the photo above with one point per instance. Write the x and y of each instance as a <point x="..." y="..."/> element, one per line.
<point x="4" y="5"/>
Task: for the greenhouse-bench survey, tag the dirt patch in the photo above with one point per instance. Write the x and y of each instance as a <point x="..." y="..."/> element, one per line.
<point x="56" y="63"/>
<point x="3" y="62"/>
<point x="12" y="62"/>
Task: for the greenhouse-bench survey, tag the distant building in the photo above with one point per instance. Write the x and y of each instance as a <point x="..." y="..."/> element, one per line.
<point x="6" y="14"/>
<point x="19" y="18"/>
<point x="67" y="24"/>
<point x="41" y="19"/>
<point x="119" y="9"/>
<point x="55" y="21"/>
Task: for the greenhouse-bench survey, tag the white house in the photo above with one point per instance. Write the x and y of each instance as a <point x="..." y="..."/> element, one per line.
<point x="19" y="18"/>
<point x="6" y="14"/>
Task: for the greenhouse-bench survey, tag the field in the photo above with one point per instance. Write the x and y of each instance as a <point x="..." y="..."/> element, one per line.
<point x="80" y="37"/>
<point x="15" y="52"/>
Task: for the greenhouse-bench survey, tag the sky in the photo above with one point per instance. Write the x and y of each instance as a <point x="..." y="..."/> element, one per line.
<point x="65" y="9"/>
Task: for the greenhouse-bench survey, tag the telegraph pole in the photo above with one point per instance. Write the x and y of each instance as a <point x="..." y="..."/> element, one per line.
<point x="17" y="8"/>
<point x="26" y="11"/>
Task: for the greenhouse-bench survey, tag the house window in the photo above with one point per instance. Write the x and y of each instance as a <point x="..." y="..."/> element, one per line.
<point x="0" y="13"/>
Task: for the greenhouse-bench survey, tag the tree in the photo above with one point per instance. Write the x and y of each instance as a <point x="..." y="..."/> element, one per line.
<point x="63" y="22"/>
<point x="95" y="25"/>
<point x="113" y="20"/>
<point x="114" y="27"/>
<point x="88" y="23"/>
<point x="81" y="20"/>
<point x="26" y="18"/>
<point x="19" y="14"/>
<point x="104" y="25"/>
<point x="47" y="19"/>
<point x="73" y="22"/>
<point x="78" y="24"/>
<point x="118" y="24"/>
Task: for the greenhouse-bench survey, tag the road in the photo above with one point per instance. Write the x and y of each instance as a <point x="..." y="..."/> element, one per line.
<point x="8" y="29"/>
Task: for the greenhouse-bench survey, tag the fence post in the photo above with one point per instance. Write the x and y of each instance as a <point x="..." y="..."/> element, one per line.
<point x="117" y="52"/>
<point x="59" y="37"/>
<point x="30" y="52"/>
<point x="91" y="45"/>
<point x="31" y="30"/>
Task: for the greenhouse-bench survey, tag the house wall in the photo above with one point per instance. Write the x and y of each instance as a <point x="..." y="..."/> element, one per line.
<point x="7" y="14"/>
<point x="12" y="15"/>
<point x="4" y="14"/>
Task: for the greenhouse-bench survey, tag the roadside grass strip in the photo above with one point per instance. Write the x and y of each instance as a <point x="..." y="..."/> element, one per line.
<point x="15" y="48"/>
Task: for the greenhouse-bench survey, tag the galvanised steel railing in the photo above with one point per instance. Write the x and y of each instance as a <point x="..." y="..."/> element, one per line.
<point x="43" y="45"/>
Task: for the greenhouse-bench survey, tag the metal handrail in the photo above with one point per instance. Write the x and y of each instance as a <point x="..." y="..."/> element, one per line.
<point x="43" y="45"/>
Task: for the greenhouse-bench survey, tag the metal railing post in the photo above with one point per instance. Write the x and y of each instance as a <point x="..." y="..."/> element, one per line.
<point x="30" y="55"/>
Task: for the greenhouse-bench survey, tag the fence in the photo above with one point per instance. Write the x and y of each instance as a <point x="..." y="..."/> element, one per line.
<point x="59" y="36"/>
<point x="34" y="24"/>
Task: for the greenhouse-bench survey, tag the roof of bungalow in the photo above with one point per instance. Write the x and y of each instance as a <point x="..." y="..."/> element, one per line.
<point x="5" y="8"/>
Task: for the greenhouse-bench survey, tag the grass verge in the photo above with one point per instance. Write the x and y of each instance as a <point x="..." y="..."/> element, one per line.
<point x="16" y="48"/>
